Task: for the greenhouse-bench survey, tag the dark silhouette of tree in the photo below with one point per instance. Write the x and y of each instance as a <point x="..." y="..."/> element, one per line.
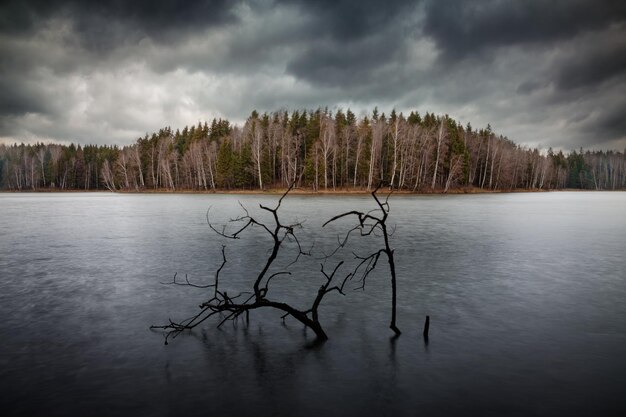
<point x="232" y="307"/>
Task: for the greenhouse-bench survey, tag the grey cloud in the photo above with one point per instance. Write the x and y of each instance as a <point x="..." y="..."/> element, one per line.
<point x="528" y="87"/>
<point x="462" y="28"/>
<point x="345" y="65"/>
<point x="593" y="120"/>
<point x="346" y="20"/>
<point x="263" y="39"/>
<point x="601" y="63"/>
<point x="19" y="97"/>
<point x="610" y="124"/>
<point x="104" y="24"/>
<point x="327" y="44"/>
<point x="577" y="118"/>
<point x="350" y="42"/>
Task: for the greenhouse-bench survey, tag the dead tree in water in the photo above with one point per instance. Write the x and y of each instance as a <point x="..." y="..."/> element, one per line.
<point x="370" y="223"/>
<point x="230" y="308"/>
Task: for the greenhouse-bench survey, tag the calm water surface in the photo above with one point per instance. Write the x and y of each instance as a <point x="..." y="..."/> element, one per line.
<point x="526" y="293"/>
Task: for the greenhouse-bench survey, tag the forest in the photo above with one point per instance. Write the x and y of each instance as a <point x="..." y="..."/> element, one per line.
<point x="315" y="150"/>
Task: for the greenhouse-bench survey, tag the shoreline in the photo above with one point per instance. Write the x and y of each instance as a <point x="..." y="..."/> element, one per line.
<point x="305" y="191"/>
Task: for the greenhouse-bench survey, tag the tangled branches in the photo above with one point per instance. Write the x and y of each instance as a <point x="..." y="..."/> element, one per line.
<point x="231" y="307"/>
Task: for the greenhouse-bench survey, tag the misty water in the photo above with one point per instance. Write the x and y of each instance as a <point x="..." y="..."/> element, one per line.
<point x="526" y="294"/>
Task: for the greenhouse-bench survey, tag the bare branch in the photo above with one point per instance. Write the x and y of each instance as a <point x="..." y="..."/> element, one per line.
<point x="377" y="225"/>
<point x="187" y="283"/>
<point x="267" y="283"/>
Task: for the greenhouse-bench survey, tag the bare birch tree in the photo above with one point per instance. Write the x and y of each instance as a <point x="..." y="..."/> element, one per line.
<point x="436" y="168"/>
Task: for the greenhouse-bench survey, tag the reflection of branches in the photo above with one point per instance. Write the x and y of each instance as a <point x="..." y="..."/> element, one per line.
<point x="229" y="308"/>
<point x="369" y="224"/>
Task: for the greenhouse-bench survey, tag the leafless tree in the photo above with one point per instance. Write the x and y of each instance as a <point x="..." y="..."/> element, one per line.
<point x="108" y="176"/>
<point x="439" y="139"/>
<point x="327" y="143"/>
<point x="232" y="307"/>
<point x="455" y="168"/>
<point x="378" y="131"/>
<point x="123" y="165"/>
<point x="360" y="140"/>
<point x="136" y="158"/>
<point x="396" y="136"/>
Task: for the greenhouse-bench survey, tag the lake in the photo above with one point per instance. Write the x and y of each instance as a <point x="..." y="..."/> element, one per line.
<point x="526" y="293"/>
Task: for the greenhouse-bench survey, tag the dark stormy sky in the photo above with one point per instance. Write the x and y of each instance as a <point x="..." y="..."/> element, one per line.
<point x="543" y="73"/>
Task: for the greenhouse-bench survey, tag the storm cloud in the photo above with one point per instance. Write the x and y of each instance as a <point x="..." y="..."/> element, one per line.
<point x="542" y="73"/>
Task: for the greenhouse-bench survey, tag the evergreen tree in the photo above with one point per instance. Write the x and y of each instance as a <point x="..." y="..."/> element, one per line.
<point x="225" y="167"/>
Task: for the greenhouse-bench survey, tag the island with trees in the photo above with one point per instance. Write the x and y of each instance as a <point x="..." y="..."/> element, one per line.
<point x="314" y="150"/>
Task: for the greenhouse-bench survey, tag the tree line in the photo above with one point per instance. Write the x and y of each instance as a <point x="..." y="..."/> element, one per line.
<point x="311" y="149"/>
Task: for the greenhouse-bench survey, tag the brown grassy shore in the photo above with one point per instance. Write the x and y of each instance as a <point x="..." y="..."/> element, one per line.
<point x="337" y="191"/>
<point x="304" y="191"/>
<point x="297" y="191"/>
